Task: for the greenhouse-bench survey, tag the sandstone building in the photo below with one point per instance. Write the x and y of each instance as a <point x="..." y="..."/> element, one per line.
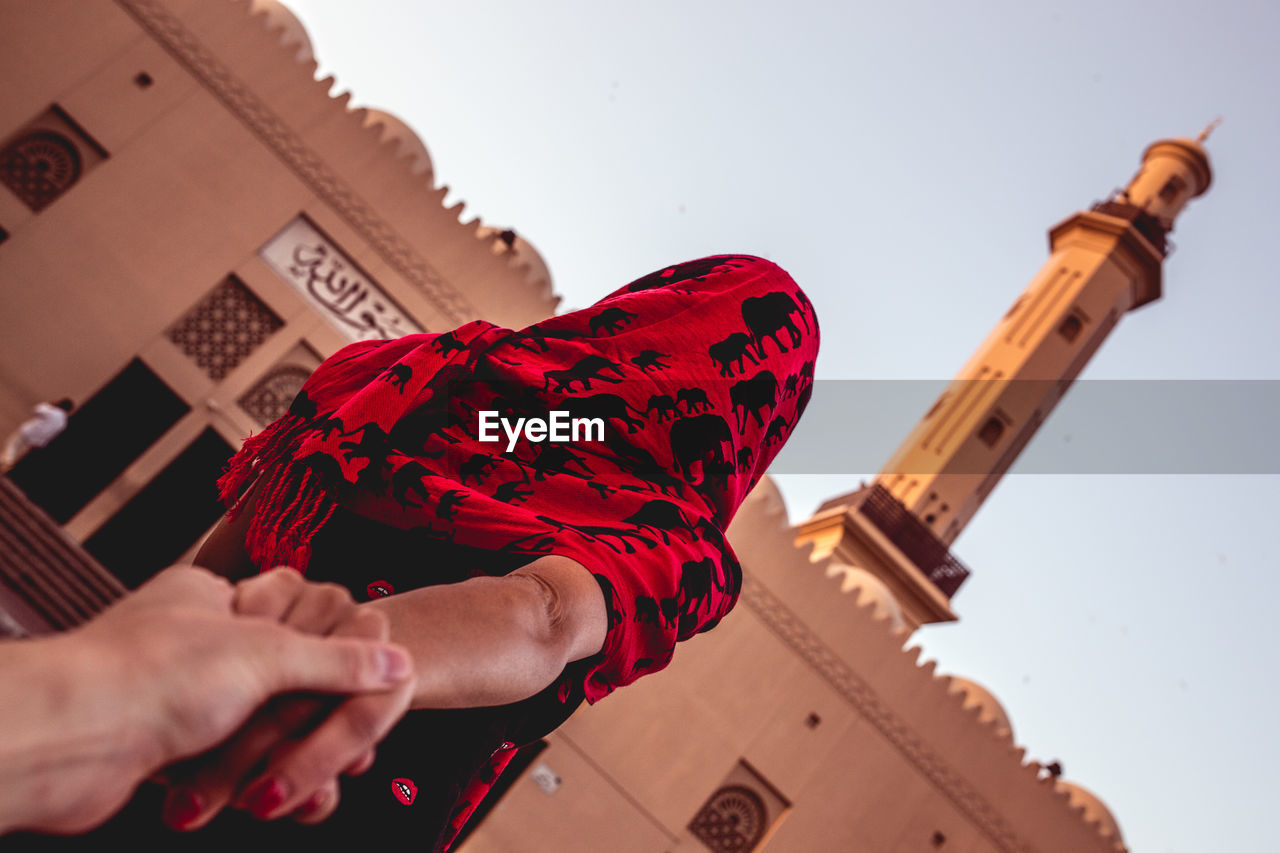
<point x="190" y="222"/>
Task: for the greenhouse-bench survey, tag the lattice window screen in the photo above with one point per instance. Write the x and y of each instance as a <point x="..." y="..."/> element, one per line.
<point x="224" y="328"/>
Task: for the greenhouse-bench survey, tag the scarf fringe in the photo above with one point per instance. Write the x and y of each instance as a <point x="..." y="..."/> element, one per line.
<point x="256" y="454"/>
<point x="294" y="501"/>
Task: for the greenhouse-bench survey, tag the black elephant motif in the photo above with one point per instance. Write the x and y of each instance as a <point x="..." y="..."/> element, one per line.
<point x="423" y="423"/>
<point x="450" y="502"/>
<point x="303" y="406"/>
<point x="398" y="375"/>
<point x="512" y="492"/>
<point x="777" y="433"/>
<point x="448" y="343"/>
<point x="328" y="426"/>
<point x="650" y="359"/>
<point x="605" y="407"/>
<point x="699" y="440"/>
<point x="477" y="467"/>
<point x="556" y="459"/>
<point x="613" y="601"/>
<point x="694" y="400"/>
<point x="407" y="481"/>
<point x="691" y="270"/>
<point x="769" y="314"/>
<point x="752" y="396"/>
<point x="640" y="462"/>
<point x="647" y="611"/>
<point x="516" y="402"/>
<point x="373" y="446"/>
<point x="735" y="348"/>
<point x="664" y="405"/>
<point x="583" y="370"/>
<point x="661" y="516"/>
<point x="612" y="319"/>
<point x="789" y="387"/>
<point x="695" y="592"/>
<point x="601" y="489"/>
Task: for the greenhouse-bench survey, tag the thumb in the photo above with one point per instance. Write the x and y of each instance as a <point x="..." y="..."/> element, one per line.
<point x="331" y="664"/>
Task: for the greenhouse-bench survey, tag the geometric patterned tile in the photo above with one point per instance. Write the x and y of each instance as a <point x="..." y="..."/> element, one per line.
<point x="224" y="328"/>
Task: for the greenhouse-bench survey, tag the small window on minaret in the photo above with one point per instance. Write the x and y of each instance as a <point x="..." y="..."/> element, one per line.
<point x="991" y="432"/>
<point x="1070" y="327"/>
<point x="1171" y="189"/>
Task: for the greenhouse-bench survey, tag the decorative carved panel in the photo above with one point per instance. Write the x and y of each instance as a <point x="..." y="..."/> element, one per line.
<point x="269" y="398"/>
<point x="46" y="157"/>
<point x="39" y="166"/>
<point x="732" y="821"/>
<point x="224" y="328"/>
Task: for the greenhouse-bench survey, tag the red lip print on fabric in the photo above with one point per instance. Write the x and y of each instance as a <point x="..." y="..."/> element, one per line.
<point x="699" y="373"/>
<point x="405" y="791"/>
<point x="379" y="589"/>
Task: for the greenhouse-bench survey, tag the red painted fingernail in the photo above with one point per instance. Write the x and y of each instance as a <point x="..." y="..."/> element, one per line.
<point x="265" y="796"/>
<point x="181" y="807"/>
<point x="317" y="801"/>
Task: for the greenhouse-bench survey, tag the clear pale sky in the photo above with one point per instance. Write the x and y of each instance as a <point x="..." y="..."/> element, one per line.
<point x="904" y="161"/>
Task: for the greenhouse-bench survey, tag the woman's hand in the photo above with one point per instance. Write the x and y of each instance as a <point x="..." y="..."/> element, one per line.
<point x="287" y="758"/>
<point x="167" y="672"/>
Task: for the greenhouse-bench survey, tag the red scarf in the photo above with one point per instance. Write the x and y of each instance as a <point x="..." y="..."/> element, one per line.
<point x="699" y="372"/>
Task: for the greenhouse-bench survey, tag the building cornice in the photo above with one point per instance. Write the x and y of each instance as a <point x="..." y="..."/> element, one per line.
<point x="310" y="168"/>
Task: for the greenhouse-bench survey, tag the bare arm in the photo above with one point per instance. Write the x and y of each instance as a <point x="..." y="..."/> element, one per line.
<point x="493" y="641"/>
<point x="485" y="641"/>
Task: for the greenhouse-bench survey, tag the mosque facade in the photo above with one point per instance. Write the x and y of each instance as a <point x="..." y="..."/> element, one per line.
<point x="190" y="222"/>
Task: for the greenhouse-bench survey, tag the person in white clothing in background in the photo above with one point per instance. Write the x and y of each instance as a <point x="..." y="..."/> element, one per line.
<point x="47" y="421"/>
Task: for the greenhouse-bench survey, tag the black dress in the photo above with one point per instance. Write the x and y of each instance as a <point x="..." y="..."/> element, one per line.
<point x="442" y="752"/>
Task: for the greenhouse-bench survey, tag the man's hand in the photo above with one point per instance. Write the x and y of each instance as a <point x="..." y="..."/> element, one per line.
<point x="170" y="671"/>
<point x="288" y="757"/>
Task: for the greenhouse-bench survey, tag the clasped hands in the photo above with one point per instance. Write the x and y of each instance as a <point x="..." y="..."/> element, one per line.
<point x="255" y="696"/>
<point x="287" y="758"/>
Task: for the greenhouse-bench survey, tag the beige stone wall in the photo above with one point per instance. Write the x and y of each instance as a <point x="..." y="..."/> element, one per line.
<point x="230" y="141"/>
<point x="895" y="757"/>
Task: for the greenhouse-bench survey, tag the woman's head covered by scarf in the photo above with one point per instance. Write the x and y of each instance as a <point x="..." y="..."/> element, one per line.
<point x="684" y="383"/>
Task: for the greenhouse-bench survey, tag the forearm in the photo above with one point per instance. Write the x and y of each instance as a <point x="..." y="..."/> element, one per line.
<point x="493" y="641"/>
<point x="59" y="747"/>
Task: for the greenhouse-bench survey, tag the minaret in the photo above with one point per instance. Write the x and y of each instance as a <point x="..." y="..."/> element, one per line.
<point x="1104" y="262"/>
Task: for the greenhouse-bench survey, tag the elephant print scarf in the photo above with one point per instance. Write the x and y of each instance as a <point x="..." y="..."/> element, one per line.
<point x="697" y="373"/>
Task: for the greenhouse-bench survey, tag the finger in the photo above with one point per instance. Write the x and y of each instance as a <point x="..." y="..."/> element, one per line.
<point x="365" y="623"/>
<point x="320" y="608"/>
<point x="371" y="624"/>
<point x="319" y="806"/>
<point x="283" y="661"/>
<point x="269" y="595"/>
<point x="210" y="783"/>
<point x="340" y="741"/>
<point x="362" y="764"/>
<point x="187" y="586"/>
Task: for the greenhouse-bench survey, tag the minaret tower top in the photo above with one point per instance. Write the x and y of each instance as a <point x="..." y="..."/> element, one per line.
<point x="1173" y="172"/>
<point x="1104" y="262"/>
